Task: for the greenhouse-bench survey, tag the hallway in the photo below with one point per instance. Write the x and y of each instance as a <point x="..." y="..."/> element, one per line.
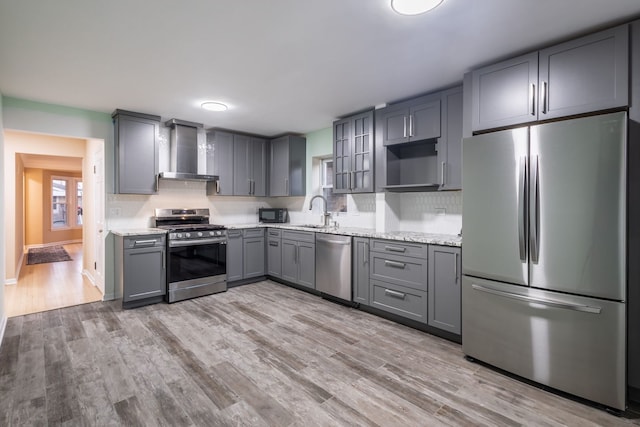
<point x="43" y="287"/>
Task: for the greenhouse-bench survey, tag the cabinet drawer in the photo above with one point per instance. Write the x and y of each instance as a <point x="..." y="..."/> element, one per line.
<point x="274" y="232"/>
<point x="253" y="232"/>
<point x="399" y="300"/>
<point x="299" y="236"/>
<point x="144" y="241"/>
<point x="399" y="248"/>
<point x="405" y="271"/>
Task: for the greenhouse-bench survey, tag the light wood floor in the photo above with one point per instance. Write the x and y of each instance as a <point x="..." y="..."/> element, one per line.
<point x="51" y="285"/>
<point x="257" y="355"/>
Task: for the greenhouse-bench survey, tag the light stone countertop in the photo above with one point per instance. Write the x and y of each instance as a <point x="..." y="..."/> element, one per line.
<point x="406" y="236"/>
<point x="138" y="231"/>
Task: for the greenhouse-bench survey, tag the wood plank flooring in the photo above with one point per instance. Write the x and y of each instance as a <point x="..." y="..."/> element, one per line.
<point x="257" y="355"/>
<point x="43" y="287"/>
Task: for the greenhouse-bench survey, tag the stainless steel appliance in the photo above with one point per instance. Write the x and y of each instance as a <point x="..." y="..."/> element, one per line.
<point x="333" y="265"/>
<point x="273" y="215"/>
<point x="544" y="254"/>
<point x="196" y="254"/>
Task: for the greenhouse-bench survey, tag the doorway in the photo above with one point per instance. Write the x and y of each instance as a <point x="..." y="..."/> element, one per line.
<point x="53" y="199"/>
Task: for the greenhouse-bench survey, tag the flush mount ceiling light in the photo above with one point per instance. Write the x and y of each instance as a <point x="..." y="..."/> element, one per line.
<point x="214" y="106"/>
<point x="414" y="7"/>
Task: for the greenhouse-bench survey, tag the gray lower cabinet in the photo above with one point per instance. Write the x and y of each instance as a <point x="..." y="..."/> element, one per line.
<point x="253" y="253"/>
<point x="579" y="76"/>
<point x="299" y="258"/>
<point x="220" y="162"/>
<point x="245" y="254"/>
<point x="274" y="253"/>
<point x="445" y="288"/>
<point x="141" y="269"/>
<point x="234" y="255"/>
<point x="287" y="166"/>
<point x="360" y="270"/>
<point x="136" y="158"/>
<point x="398" y="278"/>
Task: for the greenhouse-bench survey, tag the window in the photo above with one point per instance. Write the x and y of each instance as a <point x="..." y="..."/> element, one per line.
<point x="66" y="197"/>
<point x="336" y="202"/>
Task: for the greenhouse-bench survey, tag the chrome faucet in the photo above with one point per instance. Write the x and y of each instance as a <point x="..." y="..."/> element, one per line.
<point x="325" y="215"/>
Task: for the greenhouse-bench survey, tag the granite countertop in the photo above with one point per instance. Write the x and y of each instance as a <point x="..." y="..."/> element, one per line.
<point x="406" y="236"/>
<point x="138" y="231"/>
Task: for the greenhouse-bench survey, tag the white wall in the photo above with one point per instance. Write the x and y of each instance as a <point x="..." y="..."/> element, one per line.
<point x="3" y="313"/>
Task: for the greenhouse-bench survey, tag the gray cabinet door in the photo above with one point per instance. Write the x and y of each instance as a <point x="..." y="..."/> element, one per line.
<point x="242" y="185"/>
<point x="307" y="264"/>
<point x="290" y="260"/>
<point x="144" y="271"/>
<point x="136" y="142"/>
<point x="235" y="262"/>
<point x="253" y="257"/>
<point x="450" y="144"/>
<point x="279" y="167"/>
<point x="444" y="289"/>
<point x="342" y="152"/>
<point x="362" y="153"/>
<point x="424" y="121"/>
<point x="258" y="167"/>
<point x="361" y="270"/>
<point x="586" y="74"/>
<point x="220" y="161"/>
<point x="395" y="122"/>
<point x="274" y="257"/>
<point x="504" y="94"/>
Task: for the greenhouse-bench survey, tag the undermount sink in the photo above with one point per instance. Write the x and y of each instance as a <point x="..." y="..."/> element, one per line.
<point x="313" y="226"/>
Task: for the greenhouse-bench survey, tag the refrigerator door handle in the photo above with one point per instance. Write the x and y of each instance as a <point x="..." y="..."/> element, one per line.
<point x="522" y="207"/>
<point x="535" y="219"/>
<point x="543" y="301"/>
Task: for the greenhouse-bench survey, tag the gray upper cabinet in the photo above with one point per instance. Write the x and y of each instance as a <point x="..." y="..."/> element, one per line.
<point x="413" y="120"/>
<point x="220" y="161"/>
<point x="287" y="166"/>
<point x="444" y="288"/>
<point x="353" y="144"/>
<point x="136" y="145"/>
<point x="449" y="146"/>
<point x="579" y="76"/>
<point x="587" y="74"/>
<point x="249" y="166"/>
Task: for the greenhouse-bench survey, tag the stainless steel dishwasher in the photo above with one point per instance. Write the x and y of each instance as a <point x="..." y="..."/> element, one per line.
<point x="333" y="265"/>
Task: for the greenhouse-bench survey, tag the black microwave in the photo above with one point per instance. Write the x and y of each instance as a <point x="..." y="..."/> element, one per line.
<point x="273" y="215"/>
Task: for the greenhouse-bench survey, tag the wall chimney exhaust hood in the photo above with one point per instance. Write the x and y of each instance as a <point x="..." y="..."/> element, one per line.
<point x="184" y="152"/>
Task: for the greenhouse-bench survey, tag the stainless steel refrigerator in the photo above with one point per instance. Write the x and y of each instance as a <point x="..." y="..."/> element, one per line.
<point x="544" y="254"/>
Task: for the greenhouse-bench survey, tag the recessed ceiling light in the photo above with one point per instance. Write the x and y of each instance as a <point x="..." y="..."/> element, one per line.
<point x="414" y="7"/>
<point x="214" y="106"/>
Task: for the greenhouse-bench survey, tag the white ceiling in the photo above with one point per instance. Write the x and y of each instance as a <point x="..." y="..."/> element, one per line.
<point x="281" y="65"/>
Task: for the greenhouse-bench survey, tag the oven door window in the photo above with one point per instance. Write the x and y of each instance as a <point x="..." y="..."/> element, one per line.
<point x="197" y="261"/>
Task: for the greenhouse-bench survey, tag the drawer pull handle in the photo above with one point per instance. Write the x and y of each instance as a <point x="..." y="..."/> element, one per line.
<point x="394" y="264"/>
<point x="273" y="243"/>
<point x="144" y="243"/>
<point x="394" y="249"/>
<point x="394" y="294"/>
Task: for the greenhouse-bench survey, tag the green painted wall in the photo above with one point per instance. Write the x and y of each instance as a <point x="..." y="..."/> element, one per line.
<point x="319" y="144"/>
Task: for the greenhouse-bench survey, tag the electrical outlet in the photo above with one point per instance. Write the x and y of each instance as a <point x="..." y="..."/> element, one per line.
<point x="440" y="211"/>
<point x="114" y="212"/>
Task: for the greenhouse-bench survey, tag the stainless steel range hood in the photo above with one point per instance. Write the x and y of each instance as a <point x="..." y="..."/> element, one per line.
<point x="184" y="152"/>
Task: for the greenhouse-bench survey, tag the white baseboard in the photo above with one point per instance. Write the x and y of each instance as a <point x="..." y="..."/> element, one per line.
<point x="19" y="267"/>
<point x="86" y="273"/>
<point x="109" y="297"/>
<point x="3" y="326"/>
<point x="12" y="281"/>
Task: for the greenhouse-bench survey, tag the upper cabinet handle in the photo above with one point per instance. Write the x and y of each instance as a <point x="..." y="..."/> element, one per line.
<point x="545" y="94"/>
<point x="410" y="124"/>
<point x="532" y="98"/>
<point x="404" y="123"/>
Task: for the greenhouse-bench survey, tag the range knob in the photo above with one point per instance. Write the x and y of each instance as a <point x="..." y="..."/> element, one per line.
<point x="187" y="235"/>
<point x="212" y="233"/>
<point x="219" y="233"/>
<point x="200" y="234"/>
<point x="179" y="235"/>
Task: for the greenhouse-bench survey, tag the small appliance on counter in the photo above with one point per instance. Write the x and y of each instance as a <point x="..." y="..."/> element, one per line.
<point x="196" y="253"/>
<point x="273" y="215"/>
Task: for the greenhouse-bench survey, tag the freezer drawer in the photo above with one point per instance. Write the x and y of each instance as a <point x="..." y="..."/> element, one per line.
<point x="573" y="344"/>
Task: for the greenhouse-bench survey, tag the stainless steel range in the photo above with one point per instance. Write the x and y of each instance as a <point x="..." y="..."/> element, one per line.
<point x="196" y="255"/>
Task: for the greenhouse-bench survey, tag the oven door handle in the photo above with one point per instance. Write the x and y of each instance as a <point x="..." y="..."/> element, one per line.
<point x="198" y="242"/>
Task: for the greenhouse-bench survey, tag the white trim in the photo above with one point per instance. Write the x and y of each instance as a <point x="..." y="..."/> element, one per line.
<point x="19" y="267"/>
<point x="11" y="282"/>
<point x="3" y="327"/>
<point x="109" y="297"/>
<point x="86" y="273"/>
